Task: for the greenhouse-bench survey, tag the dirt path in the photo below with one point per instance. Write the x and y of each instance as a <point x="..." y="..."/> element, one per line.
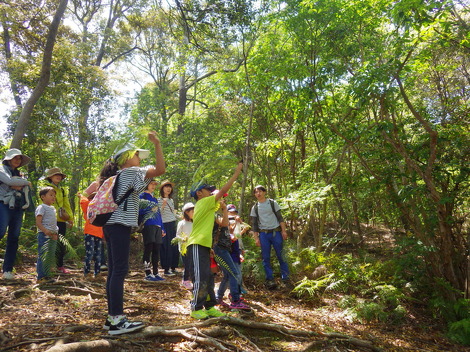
<point x="73" y="309"/>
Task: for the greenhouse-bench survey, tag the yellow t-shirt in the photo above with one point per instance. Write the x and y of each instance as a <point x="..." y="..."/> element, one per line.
<point x="203" y="221"/>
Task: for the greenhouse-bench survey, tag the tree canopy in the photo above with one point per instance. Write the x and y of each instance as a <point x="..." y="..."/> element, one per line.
<point x="349" y="111"/>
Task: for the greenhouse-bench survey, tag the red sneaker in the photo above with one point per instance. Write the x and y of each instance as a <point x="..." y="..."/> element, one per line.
<point x="62" y="270"/>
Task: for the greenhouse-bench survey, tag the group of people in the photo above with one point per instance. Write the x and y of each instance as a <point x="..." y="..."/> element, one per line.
<point x="209" y="232"/>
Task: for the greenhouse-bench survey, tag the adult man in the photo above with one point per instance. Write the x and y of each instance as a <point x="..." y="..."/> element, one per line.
<point x="270" y="231"/>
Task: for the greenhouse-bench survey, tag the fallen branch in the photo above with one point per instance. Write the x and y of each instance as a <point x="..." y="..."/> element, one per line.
<point x="86" y="346"/>
<point x="75" y="290"/>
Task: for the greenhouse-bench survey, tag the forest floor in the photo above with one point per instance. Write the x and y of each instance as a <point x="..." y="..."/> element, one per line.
<point x="72" y="309"/>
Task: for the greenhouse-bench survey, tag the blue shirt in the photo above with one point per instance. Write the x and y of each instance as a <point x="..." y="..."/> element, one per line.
<point x="150" y="210"/>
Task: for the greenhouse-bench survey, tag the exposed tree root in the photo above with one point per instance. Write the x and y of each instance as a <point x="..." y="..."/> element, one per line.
<point x="207" y="339"/>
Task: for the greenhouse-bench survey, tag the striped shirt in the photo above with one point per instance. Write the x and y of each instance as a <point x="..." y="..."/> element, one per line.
<point x="128" y="212"/>
<point x="168" y="211"/>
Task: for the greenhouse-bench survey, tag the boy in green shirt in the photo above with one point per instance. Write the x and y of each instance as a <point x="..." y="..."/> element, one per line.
<point x="200" y="247"/>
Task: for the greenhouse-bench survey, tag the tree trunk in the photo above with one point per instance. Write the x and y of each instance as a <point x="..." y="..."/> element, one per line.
<point x="44" y="78"/>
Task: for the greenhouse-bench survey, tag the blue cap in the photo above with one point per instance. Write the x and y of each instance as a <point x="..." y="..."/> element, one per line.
<point x="202" y="186"/>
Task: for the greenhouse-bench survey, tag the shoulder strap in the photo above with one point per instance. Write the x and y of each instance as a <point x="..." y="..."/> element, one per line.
<point x="124" y="197"/>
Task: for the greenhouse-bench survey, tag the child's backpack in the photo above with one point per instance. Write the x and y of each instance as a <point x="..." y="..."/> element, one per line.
<point x="104" y="204"/>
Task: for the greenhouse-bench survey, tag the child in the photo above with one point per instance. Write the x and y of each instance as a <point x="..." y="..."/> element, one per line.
<point x="232" y="274"/>
<point x="46" y="223"/>
<point x="199" y="248"/>
<point x="151" y="233"/>
<point x="54" y="178"/>
<point x="182" y="233"/>
<point x="117" y="230"/>
<point x="93" y="239"/>
<point x="236" y="287"/>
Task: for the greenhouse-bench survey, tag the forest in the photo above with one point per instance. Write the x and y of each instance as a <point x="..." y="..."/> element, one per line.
<point x="354" y="114"/>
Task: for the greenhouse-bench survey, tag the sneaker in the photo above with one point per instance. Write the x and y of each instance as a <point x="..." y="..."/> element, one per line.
<point x="240" y="299"/>
<point x="168" y="273"/>
<point x="158" y="277"/>
<point x="150" y="277"/>
<point x="187" y="284"/>
<point x="45" y="280"/>
<point x="124" y="326"/>
<point x="239" y="305"/>
<point x="63" y="270"/>
<point x="107" y="324"/>
<point x="271" y="284"/>
<point x="221" y="303"/>
<point x="8" y="275"/>
<point x="214" y="312"/>
<point x="103" y="267"/>
<point x="199" y="314"/>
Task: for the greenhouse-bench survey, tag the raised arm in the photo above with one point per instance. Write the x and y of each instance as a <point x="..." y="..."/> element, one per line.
<point x="225" y="188"/>
<point x="159" y="168"/>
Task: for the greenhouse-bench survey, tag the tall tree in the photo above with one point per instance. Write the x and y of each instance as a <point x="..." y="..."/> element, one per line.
<point x="44" y="78"/>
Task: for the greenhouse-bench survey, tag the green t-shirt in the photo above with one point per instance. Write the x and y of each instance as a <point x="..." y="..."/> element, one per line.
<point x="203" y="221"/>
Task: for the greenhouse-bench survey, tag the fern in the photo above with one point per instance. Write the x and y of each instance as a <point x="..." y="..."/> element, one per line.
<point x="224" y="265"/>
<point x="313" y="288"/>
<point x="48" y="252"/>
<point x="149" y="209"/>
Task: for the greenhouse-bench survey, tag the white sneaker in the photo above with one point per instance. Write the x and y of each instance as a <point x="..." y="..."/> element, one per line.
<point x="8" y="275"/>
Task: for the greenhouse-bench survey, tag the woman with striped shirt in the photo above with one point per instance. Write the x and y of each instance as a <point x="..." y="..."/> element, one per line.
<point x="117" y="231"/>
<point x="170" y="254"/>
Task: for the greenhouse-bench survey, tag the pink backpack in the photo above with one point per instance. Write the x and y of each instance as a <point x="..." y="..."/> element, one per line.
<point x="104" y="204"/>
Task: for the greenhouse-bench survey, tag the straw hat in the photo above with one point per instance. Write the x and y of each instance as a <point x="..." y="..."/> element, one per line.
<point x="167" y="182"/>
<point x="55" y="171"/>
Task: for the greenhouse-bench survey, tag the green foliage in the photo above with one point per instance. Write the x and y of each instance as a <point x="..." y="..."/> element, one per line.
<point x="49" y="249"/>
<point x="313" y="288"/>
<point x="459" y="331"/>
<point x="385" y="306"/>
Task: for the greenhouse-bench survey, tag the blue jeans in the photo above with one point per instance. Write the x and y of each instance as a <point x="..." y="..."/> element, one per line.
<point x="274" y="239"/>
<point x="233" y="276"/>
<point x="11" y="219"/>
<point x="92" y="251"/>
<point x="118" y="240"/>
<point x="41" y="270"/>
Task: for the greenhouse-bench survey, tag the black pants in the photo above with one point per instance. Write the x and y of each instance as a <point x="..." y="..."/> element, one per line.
<point x="151" y="255"/>
<point x="202" y="276"/>
<point x="118" y="240"/>
<point x="170" y="255"/>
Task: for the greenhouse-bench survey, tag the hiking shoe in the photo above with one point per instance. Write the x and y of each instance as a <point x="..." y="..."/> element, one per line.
<point x="271" y="284"/>
<point x="199" y="314"/>
<point x="221" y="303"/>
<point x="158" y="277"/>
<point x="239" y="305"/>
<point x="125" y="326"/>
<point x="63" y="270"/>
<point x="107" y="324"/>
<point x="8" y="275"/>
<point x="151" y="277"/>
<point x="214" y="312"/>
<point x="168" y="273"/>
<point x="187" y="284"/>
